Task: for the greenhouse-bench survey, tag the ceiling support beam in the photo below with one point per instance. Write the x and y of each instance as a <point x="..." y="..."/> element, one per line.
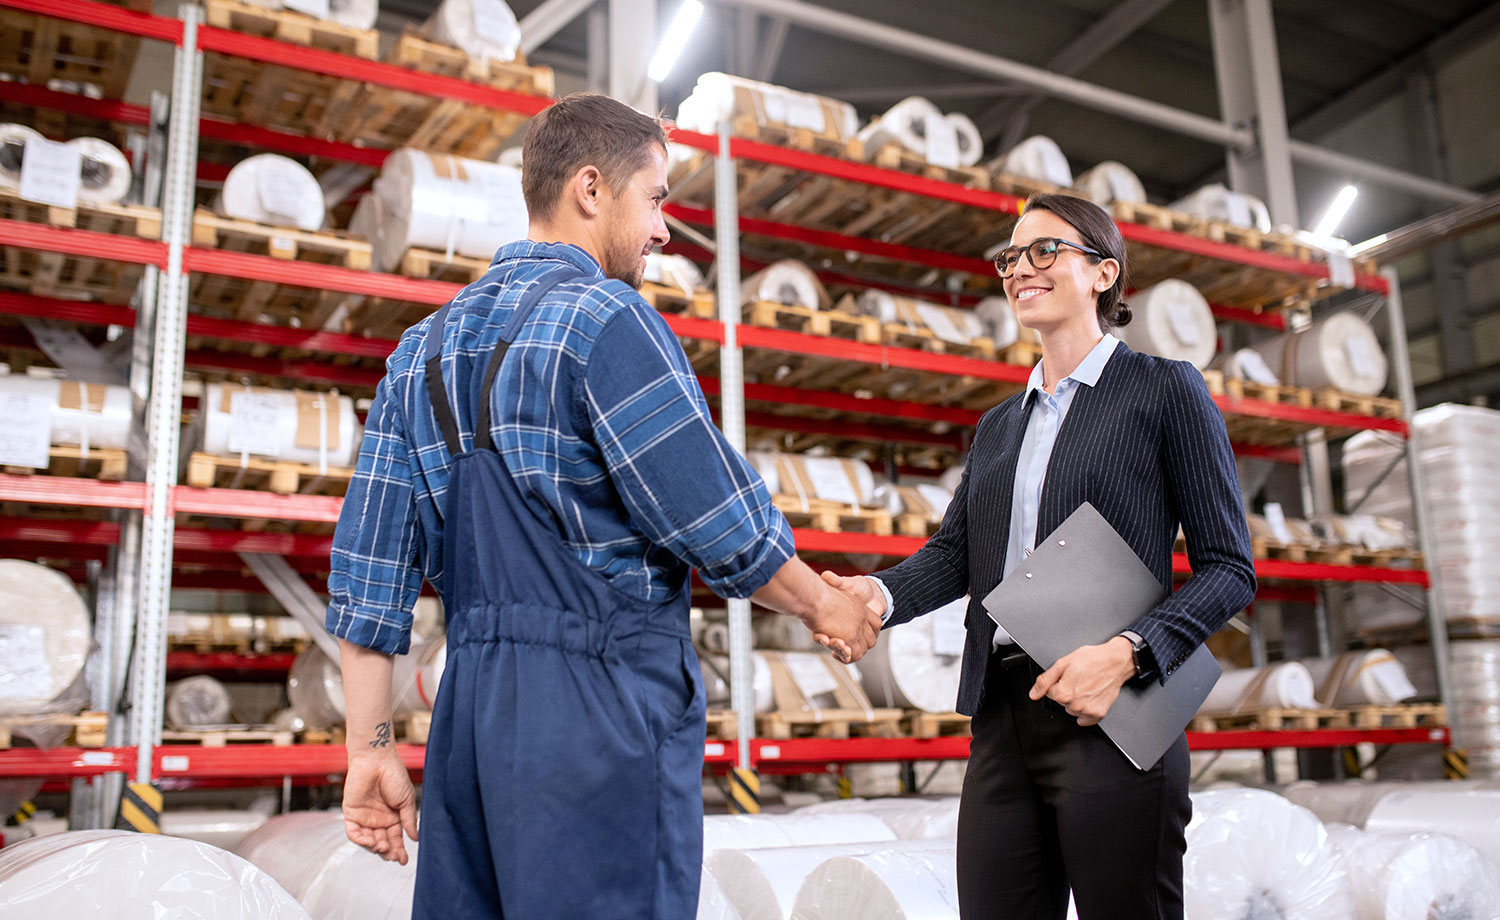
<point x="547" y="20"/>
<point x="632" y="40"/>
<point x="1248" y="69"/>
<point x="770" y="50"/>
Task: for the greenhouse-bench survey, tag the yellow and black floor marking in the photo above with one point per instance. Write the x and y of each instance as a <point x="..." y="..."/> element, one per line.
<point x="744" y="792"/>
<point x="1456" y="763"/>
<point x="25" y="813"/>
<point x="140" y="809"/>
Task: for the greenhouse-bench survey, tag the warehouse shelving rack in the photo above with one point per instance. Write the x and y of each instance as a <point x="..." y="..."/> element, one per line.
<point x="164" y="550"/>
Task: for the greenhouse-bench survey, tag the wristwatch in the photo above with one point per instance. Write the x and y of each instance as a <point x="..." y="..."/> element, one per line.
<point x="1138" y="651"/>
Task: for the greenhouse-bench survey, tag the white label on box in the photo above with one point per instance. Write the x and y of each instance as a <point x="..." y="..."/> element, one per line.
<point x="830" y="480"/>
<point x="1255" y="368"/>
<point x="491" y="22"/>
<point x="27" y="671"/>
<point x="948" y="630"/>
<point x="27" y="433"/>
<point x="254" y="421"/>
<point x="51" y="173"/>
<point x="1238" y="209"/>
<point x="1340" y="269"/>
<point x="942" y="142"/>
<point x="174" y="764"/>
<point x="1276" y="519"/>
<point x="278" y="197"/>
<point x="504" y="203"/>
<point x="1362" y="359"/>
<point x="318" y="8"/>
<point x="1180" y="318"/>
<point x="811" y="674"/>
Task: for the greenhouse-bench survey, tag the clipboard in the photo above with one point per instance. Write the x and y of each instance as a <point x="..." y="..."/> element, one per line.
<point x="1082" y="586"/>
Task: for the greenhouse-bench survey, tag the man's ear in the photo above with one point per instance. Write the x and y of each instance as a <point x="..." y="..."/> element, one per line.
<point x="588" y="188"/>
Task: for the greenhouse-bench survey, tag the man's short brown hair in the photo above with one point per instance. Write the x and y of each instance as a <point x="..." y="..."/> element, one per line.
<point x="579" y="130"/>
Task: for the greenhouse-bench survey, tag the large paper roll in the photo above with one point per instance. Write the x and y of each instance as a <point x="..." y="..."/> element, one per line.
<point x="354" y="14"/>
<point x="1366" y="678"/>
<point x="106" y="174"/>
<point x="1288" y="685"/>
<point x="1417" y="876"/>
<point x="1172" y="320"/>
<point x="908" y="818"/>
<point x="1246" y="364"/>
<point x="85" y="415"/>
<point x="1215" y="202"/>
<point x="220" y="827"/>
<point x="715" y="670"/>
<point x="271" y="189"/>
<point x="916" y="665"/>
<point x="1252" y="854"/>
<point x="950" y="324"/>
<point x="294" y="425"/>
<point x="1471" y="815"/>
<point x="745" y="832"/>
<point x="315" y="685"/>
<point x="720" y="97"/>
<point x="447" y="203"/>
<point x="197" y="702"/>
<point x="889" y="883"/>
<point x="915" y="124"/>
<point x="1340" y="352"/>
<point x="309" y="854"/>
<point x="713" y="903"/>
<point x="783" y="633"/>
<point x="675" y="272"/>
<point x="482" y="29"/>
<point x="13" y="140"/>
<point x="140" y="875"/>
<point x="970" y="141"/>
<point x="997" y="312"/>
<point x="786" y="282"/>
<point x="1036" y="158"/>
<point x="928" y="500"/>
<point x="763" y="884"/>
<point x="1110" y="182"/>
<point x="1351" y="802"/>
<point x="847" y="482"/>
<point x="45" y="632"/>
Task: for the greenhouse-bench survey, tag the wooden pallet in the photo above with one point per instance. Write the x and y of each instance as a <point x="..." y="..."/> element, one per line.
<point x="1338" y="401"/>
<point x="667" y="299"/>
<point x="1272" y="720"/>
<point x="1280" y="395"/>
<point x="805" y="139"/>
<point x="210" y="471"/>
<point x="1022" y="186"/>
<point x="85" y="730"/>
<point x="1289" y="552"/>
<point x="378" y="116"/>
<point x="255" y="301"/>
<point x="723" y="724"/>
<point x="836" y="323"/>
<point x="1219" y="231"/>
<point x="39" y="49"/>
<point x="917" y="525"/>
<point x="414" y="727"/>
<point x="936" y="725"/>
<point x="222" y="737"/>
<point x="893" y="156"/>
<point x="902" y="335"/>
<point x="97" y="463"/>
<point x="1407" y="715"/>
<point x="796" y="715"/>
<point x="52" y="274"/>
<point x="120" y="219"/>
<point x="204" y="643"/>
<point x="833" y="516"/>
<point x="1024" y="354"/>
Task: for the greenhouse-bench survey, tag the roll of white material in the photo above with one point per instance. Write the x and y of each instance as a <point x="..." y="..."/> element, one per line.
<point x="951" y="477"/>
<point x="106" y="173"/>
<point x="783" y="633"/>
<point x="354" y="14"/>
<point x="715" y="670"/>
<point x="1351" y="802"/>
<point x="1252" y="854"/>
<point x="720" y="97"/>
<point x="1036" y="158"/>
<point x="1109" y="182"/>
<point x="13" y="140"/>
<point x="786" y="282"/>
<point x="1003" y="326"/>
<point x="970" y="141"/>
<point x="746" y="832"/>
<point x="1172" y="320"/>
<point x="315" y="686"/>
<point x="271" y="189"/>
<point x="886" y="884"/>
<point x="142" y="877"/>
<point x="908" y="818"/>
<point x="45" y="631"/>
<point x="947" y="323"/>
<point x="1288" y="685"/>
<point x="1417" y="876"/>
<point x="220" y="827"/>
<point x="197" y="702"/>
<point x="674" y="271"/>
<point x="1215" y="202"/>
<point x="85" y="415"/>
<point x="447" y="203"/>
<point x="293" y="425"/>
<point x="1365" y="678"/>
<point x="713" y="903"/>
<point x="1471" y="815"/>
<point x="917" y="665"/>
<point x="417" y="674"/>
<point x="483" y="29"/>
<point x="310" y="856"/>
<point x="367" y="218"/>
<point x="1247" y="364"/>
<point x="848" y="482"/>
<point x="1340" y="352"/>
<point x="915" y="124"/>
<point x="763" y="884"/>
<point x="930" y="501"/>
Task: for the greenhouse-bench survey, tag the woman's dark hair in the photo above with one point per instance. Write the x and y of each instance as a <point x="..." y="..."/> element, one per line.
<point x="1096" y="230"/>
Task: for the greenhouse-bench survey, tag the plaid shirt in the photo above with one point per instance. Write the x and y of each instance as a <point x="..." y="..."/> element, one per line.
<point x="601" y="423"/>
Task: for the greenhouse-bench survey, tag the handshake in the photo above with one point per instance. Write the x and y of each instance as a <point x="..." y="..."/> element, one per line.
<point x="847" y="618"/>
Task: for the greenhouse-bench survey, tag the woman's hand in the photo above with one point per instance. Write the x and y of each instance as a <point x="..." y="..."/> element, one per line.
<point x="1087" y="681"/>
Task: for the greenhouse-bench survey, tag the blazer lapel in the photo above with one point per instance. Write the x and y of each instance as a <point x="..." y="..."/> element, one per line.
<point x="1005" y="475"/>
<point x="1077" y="426"/>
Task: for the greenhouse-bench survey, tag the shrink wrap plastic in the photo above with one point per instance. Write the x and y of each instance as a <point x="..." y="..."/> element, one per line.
<point x="315" y="686"/>
<point x="1172" y="320"/>
<point x="747" y="832"/>
<point x="916" y="124"/>
<point x="1417" y="876"/>
<point x="713" y="903"/>
<point x="220" y="827"/>
<point x="299" y="426"/>
<point x="715" y="670"/>
<point x="1036" y="158"/>
<point x="1341" y="351"/>
<point x="763" y="884"/>
<point x="445" y="203"/>
<point x="483" y="29"/>
<point x="908" y="818"/>
<point x="929" y="501"/>
<point x="719" y="97"/>
<point x="197" y="702"/>
<point x="82" y="415"/>
<point x="1366" y="678"/>
<point x="1351" y="802"/>
<point x="1288" y="685"/>
<point x="917" y="665"/>
<point x="13" y="138"/>
<point x="1472" y="815"/>
<point x="106" y="173"/>
<point x="274" y="190"/>
<point x="884" y="885"/>
<point x="847" y="482"/>
<point x="1215" y="202"/>
<point x="786" y="282"/>
<point x="1110" y="182"/>
<point x="45" y="636"/>
<point x="309" y="854"/>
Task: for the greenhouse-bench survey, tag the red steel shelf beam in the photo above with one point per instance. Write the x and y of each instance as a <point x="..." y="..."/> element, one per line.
<point x="274" y="665"/>
<point x="1319" y="418"/>
<point x="105" y="16"/>
<point x="21" y="763"/>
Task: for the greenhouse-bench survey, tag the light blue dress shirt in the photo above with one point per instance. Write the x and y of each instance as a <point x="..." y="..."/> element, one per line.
<point x="1036" y="453"/>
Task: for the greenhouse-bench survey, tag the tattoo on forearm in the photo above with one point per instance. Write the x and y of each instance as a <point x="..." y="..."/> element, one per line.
<point x="382" y="735"/>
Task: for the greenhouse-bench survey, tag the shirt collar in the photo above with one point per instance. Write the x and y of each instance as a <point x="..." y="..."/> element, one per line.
<point x="528" y="250"/>
<point x="1088" y="370"/>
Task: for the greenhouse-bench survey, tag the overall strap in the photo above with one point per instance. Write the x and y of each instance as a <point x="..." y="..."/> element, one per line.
<point x="436" y="395"/>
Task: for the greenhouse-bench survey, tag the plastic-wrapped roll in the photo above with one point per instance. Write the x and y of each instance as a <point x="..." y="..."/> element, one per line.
<point x="13" y="140"/>
<point x="220" y="827"/>
<point x="271" y="189"/>
<point x="315" y="686"/>
<point x="1172" y="320"/>
<point x="929" y="501"/>
<point x="197" y="702"/>
<point x="438" y="201"/>
<point x="310" y="856"/>
<point x="783" y="633"/>
<point x="763" y="884"/>
<point x="106" y="173"/>
<point x="482" y="29"/>
<point x="417" y="674"/>
<point x="83" y="415"/>
<point x="713" y="903"/>
<point x="970" y="141"/>
<point x="720" y="97"/>
<point x="715" y="670"/>
<point x="915" y="124"/>
<point x="848" y="482"/>
<point x="908" y="818"/>
<point x="764" y="462"/>
<point x="45" y="631"/>
<point x="293" y="425"/>
<point x="1036" y="158"/>
<point x="951" y="477"/>
<point x="786" y="282"/>
<point x="746" y="832"/>
<point x="916" y="665"/>
<point x="673" y="271"/>
<point x="1367" y="678"/>
<point x="1417" y="876"/>
<point x="947" y="323"/>
<point x="1421" y="669"/>
<point x="1349" y="802"/>
<point x="1252" y="854"/>
<point x="354" y="14"/>
<point x="367" y="218"/>
<point x="1340" y="352"/>
<point x="1288" y="685"/>
<point x="143" y="875"/>
<point x="1109" y="182"/>
<point x="1215" y="202"/>
<point x="889" y="883"/>
<point x="1471" y="815"/>
<point x="1247" y="364"/>
<point x="1001" y="318"/>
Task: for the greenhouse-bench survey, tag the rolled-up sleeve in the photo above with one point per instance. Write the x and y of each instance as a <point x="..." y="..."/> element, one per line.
<point x="375" y="574"/>
<point x="686" y="488"/>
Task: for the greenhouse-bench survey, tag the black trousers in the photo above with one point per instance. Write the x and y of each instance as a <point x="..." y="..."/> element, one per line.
<point x="1048" y="805"/>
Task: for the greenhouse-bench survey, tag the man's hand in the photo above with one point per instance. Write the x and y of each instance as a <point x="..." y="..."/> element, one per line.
<point x="379" y="804"/>
<point x="844" y="624"/>
<point x="861" y="589"/>
<point x="1087" y="681"/>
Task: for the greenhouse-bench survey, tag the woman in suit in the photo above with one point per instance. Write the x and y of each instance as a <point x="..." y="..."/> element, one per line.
<point x="1049" y="803"/>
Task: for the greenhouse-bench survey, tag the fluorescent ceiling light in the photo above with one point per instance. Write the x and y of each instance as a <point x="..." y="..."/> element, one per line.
<point x="1336" y="212"/>
<point x="675" y="40"/>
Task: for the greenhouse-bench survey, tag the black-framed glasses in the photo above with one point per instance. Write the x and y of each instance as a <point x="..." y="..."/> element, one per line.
<point x="1042" y="253"/>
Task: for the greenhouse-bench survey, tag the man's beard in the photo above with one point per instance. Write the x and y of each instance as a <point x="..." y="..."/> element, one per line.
<point x="626" y="267"/>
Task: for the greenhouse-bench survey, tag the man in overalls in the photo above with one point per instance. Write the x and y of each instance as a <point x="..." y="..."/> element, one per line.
<point x="541" y="452"/>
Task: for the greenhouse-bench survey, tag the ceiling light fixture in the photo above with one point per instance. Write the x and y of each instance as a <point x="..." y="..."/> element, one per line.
<point x="675" y="40"/>
<point x="1336" y="211"/>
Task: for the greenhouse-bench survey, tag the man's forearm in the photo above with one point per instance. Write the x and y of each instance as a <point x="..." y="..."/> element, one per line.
<point x="367" y="698"/>
<point x="795" y="589"/>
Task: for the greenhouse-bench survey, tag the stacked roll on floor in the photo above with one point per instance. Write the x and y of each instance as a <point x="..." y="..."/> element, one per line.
<point x="1351" y="802"/>
<point x="748" y="832"/>
<point x="310" y="856"/>
<point x="1417" y="876"/>
<point x="890" y="884"/>
<point x="763" y="884"/>
<point x="908" y="818"/>
<point x="1471" y="815"/>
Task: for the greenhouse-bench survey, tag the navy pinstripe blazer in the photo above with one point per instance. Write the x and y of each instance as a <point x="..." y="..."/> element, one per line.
<point x="1148" y="448"/>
